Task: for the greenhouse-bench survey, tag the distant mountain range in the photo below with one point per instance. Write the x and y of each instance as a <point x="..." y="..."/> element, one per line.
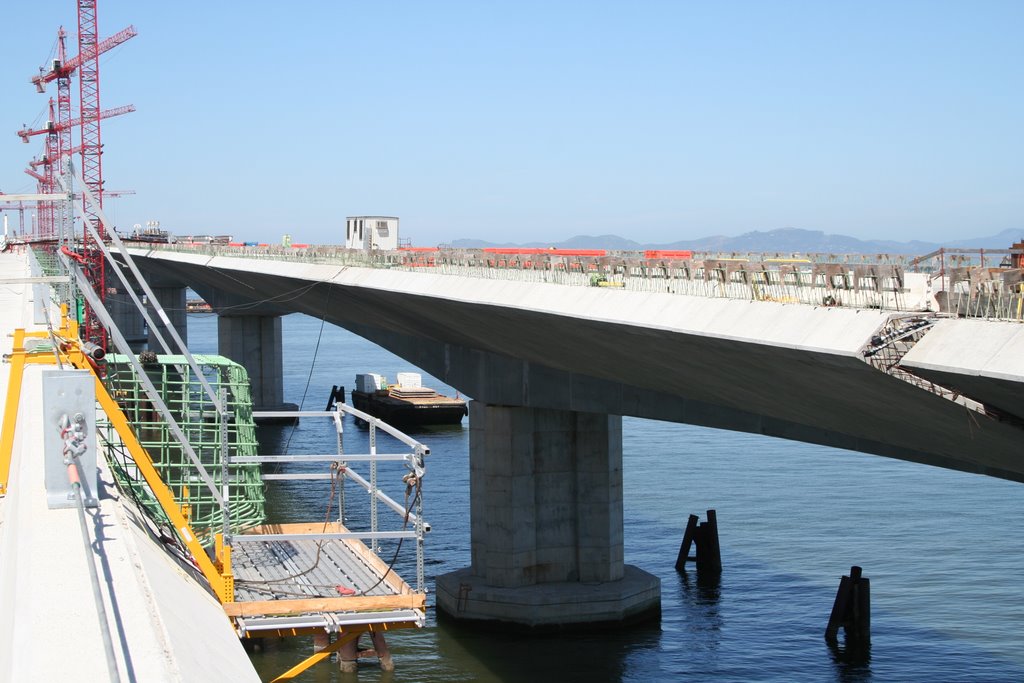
<point x="781" y="240"/>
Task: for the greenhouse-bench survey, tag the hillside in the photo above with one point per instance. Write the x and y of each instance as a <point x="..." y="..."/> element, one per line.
<point x="782" y="240"/>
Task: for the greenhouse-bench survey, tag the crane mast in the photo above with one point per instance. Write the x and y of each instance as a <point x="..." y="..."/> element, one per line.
<point x="62" y="214"/>
<point x="53" y="218"/>
<point x="92" y="164"/>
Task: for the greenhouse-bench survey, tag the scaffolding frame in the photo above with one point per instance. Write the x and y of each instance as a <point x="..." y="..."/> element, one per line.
<point x="209" y="431"/>
<point x="175" y="413"/>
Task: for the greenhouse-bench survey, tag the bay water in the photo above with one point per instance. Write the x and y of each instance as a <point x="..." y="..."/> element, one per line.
<point x="943" y="550"/>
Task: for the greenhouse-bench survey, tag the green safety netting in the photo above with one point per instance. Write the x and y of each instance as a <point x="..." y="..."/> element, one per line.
<point x="192" y="409"/>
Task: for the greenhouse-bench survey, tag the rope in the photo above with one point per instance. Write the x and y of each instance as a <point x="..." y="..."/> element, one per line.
<point x="309" y="377"/>
<point x="411" y="480"/>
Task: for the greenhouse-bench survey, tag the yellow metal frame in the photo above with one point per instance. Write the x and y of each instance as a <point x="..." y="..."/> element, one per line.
<point x="69" y="350"/>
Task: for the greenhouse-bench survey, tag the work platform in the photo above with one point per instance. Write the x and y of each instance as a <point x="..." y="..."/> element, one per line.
<point x="286" y="571"/>
<point x="168" y="434"/>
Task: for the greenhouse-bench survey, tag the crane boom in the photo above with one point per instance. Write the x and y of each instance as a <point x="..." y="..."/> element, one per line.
<point x="52" y="127"/>
<point x="59" y="69"/>
<point x="41" y="178"/>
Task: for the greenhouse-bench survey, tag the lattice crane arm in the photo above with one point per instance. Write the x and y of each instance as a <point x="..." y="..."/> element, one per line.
<point x="59" y="69"/>
<point x="35" y="175"/>
<point x="54" y="127"/>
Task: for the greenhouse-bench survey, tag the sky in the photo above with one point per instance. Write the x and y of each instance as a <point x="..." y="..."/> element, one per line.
<point x="521" y="120"/>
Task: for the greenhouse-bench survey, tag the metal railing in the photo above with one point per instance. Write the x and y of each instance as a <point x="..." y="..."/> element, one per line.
<point x="341" y="466"/>
<point x="976" y="283"/>
<point x="965" y="283"/>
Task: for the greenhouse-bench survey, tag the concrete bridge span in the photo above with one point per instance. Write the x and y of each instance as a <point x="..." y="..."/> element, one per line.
<point x="562" y="353"/>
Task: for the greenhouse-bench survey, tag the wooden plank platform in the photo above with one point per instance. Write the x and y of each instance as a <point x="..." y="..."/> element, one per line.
<point x="303" y="578"/>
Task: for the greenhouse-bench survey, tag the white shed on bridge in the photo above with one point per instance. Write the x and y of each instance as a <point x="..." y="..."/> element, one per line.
<point x="371" y="232"/>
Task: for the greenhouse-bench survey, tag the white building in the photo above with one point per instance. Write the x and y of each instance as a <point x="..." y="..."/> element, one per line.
<point x="371" y="232"/>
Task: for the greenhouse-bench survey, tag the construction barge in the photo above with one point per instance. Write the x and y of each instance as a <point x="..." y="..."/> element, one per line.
<point x="407" y="402"/>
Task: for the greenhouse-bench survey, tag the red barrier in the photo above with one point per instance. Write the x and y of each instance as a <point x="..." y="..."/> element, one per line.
<point x="668" y="254"/>
<point x="578" y="252"/>
<point x="514" y="250"/>
<point x="527" y="251"/>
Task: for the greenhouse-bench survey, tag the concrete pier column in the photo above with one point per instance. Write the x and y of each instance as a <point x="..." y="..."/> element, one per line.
<point x="546" y="524"/>
<point x="254" y="341"/>
<point x="172" y="300"/>
<point x="127" y="317"/>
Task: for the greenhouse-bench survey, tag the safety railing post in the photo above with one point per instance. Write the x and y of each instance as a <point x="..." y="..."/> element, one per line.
<point x="340" y="474"/>
<point x="373" y="486"/>
<point x="225" y="471"/>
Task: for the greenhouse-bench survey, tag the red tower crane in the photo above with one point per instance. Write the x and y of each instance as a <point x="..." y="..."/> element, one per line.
<point x="92" y="152"/>
<point x="53" y="126"/>
<point x="61" y="70"/>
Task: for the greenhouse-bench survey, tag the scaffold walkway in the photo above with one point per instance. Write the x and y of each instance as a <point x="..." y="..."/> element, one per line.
<point x="317" y="578"/>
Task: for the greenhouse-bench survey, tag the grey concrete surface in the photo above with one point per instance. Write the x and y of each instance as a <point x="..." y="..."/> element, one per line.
<point x="784" y="370"/>
<point x="254" y="341"/>
<point x="165" y="625"/>
<point x="546" y="523"/>
<point x="980" y="358"/>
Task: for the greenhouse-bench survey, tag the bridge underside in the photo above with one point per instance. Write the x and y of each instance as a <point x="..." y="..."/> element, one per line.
<point x="677" y="367"/>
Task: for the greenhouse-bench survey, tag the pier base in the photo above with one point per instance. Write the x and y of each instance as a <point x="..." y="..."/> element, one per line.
<point x="546" y="525"/>
<point x="561" y="606"/>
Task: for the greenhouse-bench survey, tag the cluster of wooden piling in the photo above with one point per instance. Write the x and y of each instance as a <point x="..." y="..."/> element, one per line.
<point x="350" y="653"/>
<point x="851" y="610"/>
<point x="704" y="535"/>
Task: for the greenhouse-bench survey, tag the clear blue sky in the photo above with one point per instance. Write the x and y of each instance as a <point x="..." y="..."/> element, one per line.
<point x="522" y="120"/>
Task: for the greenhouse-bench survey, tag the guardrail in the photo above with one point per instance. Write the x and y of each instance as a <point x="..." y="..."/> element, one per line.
<point x="965" y="283"/>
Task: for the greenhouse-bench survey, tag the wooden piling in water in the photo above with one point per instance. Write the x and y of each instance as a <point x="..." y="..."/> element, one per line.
<point x="383" y="653"/>
<point x="851" y="610"/>
<point x="321" y="640"/>
<point x="684" y="548"/>
<point x="348" y="656"/>
<point x="705" y="536"/>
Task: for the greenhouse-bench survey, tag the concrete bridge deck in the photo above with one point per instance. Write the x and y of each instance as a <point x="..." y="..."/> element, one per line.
<point x="786" y="370"/>
<point x="552" y="367"/>
<point x="165" y="626"/>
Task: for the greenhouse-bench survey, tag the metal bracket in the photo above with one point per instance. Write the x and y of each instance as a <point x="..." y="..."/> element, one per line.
<point x="70" y="393"/>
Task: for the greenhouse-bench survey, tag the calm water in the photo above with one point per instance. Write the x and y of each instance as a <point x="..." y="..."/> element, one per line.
<point x="943" y="551"/>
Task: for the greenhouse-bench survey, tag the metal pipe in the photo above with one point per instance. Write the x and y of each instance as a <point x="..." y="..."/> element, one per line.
<point x="142" y="283"/>
<point x="154" y="396"/>
<point x="94" y="351"/>
<point x="97" y="594"/>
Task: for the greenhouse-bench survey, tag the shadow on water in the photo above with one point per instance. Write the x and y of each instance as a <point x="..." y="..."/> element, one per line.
<point x="607" y="655"/>
<point x="852" y="661"/>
